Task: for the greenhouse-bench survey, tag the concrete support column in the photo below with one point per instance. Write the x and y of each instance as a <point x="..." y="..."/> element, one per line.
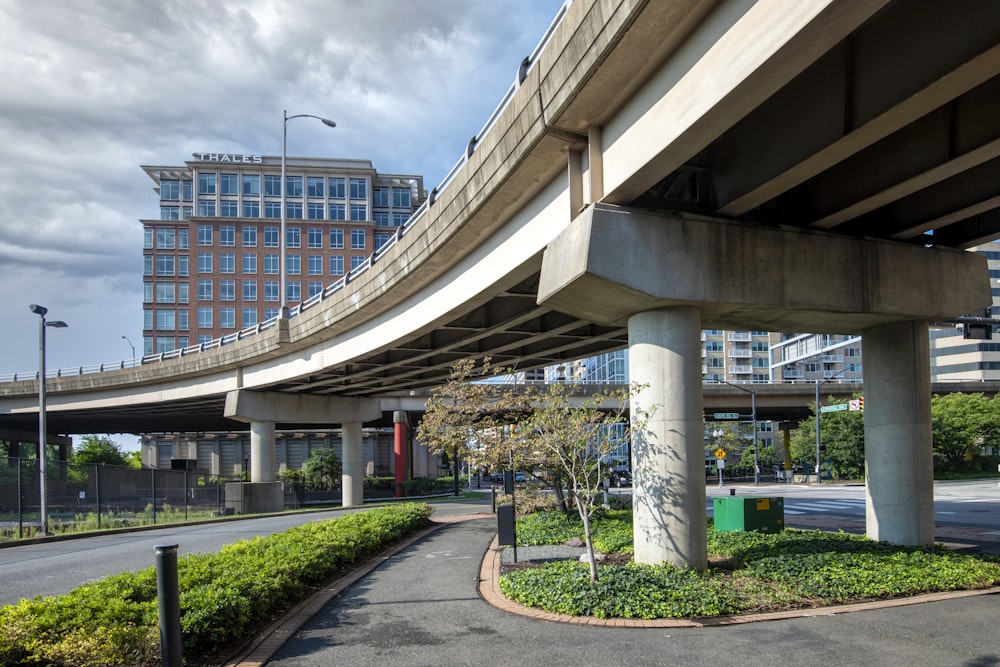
<point x="669" y="518"/>
<point x="261" y="451"/>
<point x="353" y="465"/>
<point x="399" y="458"/>
<point x="899" y="466"/>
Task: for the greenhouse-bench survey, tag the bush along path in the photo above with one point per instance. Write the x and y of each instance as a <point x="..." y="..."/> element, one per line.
<point x="748" y="572"/>
<point x="224" y="596"/>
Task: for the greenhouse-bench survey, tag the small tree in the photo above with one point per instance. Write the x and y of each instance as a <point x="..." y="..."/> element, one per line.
<point x="323" y="467"/>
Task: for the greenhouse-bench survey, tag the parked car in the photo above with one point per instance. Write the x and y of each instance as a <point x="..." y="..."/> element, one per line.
<point x="620" y="478"/>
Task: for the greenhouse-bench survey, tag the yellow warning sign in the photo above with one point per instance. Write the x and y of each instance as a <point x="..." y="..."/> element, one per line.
<point x="763" y="503"/>
<point x="720" y="453"/>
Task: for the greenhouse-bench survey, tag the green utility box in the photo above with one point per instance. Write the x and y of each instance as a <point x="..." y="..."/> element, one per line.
<point x="764" y="515"/>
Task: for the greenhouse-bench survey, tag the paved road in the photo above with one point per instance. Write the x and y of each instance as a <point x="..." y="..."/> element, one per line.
<point x="421" y="607"/>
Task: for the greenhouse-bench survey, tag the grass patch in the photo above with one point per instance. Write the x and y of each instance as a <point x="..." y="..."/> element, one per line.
<point x="748" y="572"/>
<point x="224" y="596"/>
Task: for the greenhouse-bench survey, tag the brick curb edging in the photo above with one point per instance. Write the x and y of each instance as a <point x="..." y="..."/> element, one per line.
<point x="489" y="590"/>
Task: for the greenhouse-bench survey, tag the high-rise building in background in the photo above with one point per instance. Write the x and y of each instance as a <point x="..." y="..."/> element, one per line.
<point x="211" y="255"/>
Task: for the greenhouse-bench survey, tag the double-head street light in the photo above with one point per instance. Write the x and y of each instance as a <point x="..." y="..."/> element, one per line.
<point x="42" y="438"/>
<point x="819" y="457"/>
<point x="283" y="313"/>
<point x="753" y="417"/>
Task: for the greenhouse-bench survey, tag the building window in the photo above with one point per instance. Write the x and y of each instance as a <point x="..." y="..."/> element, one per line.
<point x="294" y="185"/>
<point x="206" y="184"/>
<point x="187" y="212"/>
<point x="250" y="290"/>
<point x="272" y="186"/>
<point x="249" y="317"/>
<point x="147" y="292"/>
<point x="272" y="210"/>
<point x="293" y="291"/>
<point x="205" y="235"/>
<point x="401" y="198"/>
<point x="164" y="238"/>
<point x="271" y="237"/>
<point x="315" y="265"/>
<point x="170" y="213"/>
<point x="227" y="290"/>
<point x="399" y="219"/>
<point x="204" y="318"/>
<point x="271" y="265"/>
<point x="382" y="219"/>
<point x="204" y="290"/>
<point x="359" y="212"/>
<point x="227" y="262"/>
<point x="271" y="290"/>
<point x="165" y="293"/>
<point x="182" y="265"/>
<point x="204" y="262"/>
<point x="182" y="324"/>
<point x="228" y="184"/>
<point x="187" y="190"/>
<point x="251" y="185"/>
<point x="293" y="211"/>
<point x="251" y="209"/>
<point x="270" y="313"/>
<point x="147" y="319"/>
<point x="170" y="190"/>
<point x="336" y="187"/>
<point x="380" y="197"/>
<point x="294" y="264"/>
<point x="293" y="237"/>
<point x="338" y="212"/>
<point x="164" y="265"/>
<point x="356" y="261"/>
<point x="315" y="211"/>
<point x="229" y="208"/>
<point x="381" y="238"/>
<point x="313" y="288"/>
<point x="227" y="318"/>
<point x="165" y="320"/>
<point x="336" y="238"/>
<point x="182" y="239"/>
<point x="359" y="188"/>
<point x="315" y="237"/>
<point x="227" y="235"/>
<point x="357" y="239"/>
<point x="249" y="237"/>
<point x="147" y="265"/>
<point x="315" y="186"/>
<point x="183" y="294"/>
<point x="336" y="265"/>
<point x="250" y="263"/>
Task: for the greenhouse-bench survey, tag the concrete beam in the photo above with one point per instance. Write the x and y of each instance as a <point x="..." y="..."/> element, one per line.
<point x="614" y="262"/>
<point x="247" y="406"/>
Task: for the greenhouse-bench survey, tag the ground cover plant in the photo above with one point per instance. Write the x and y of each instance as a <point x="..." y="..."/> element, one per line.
<point x="748" y="572"/>
<point x="224" y="596"/>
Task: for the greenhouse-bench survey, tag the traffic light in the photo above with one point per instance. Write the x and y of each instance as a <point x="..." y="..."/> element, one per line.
<point x="861" y="402"/>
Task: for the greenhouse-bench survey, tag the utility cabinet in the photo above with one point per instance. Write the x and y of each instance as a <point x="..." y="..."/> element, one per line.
<point x="764" y="515"/>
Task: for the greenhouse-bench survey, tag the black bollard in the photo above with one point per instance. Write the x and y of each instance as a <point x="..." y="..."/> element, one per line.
<point x="169" y="605"/>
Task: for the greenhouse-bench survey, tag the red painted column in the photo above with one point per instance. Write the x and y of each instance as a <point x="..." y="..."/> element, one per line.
<point x="400" y="459"/>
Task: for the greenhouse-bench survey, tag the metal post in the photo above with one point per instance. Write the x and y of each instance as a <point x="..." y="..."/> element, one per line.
<point x="97" y="492"/>
<point x="819" y="478"/>
<point x="185" y="494"/>
<point x="20" y="502"/>
<point x="168" y="598"/>
<point x="753" y="417"/>
<point x="43" y="509"/>
<point x="152" y="485"/>
<point x="283" y="313"/>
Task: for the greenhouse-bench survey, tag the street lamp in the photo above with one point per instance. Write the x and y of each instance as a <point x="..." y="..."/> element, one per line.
<point x="125" y="338"/>
<point x="42" y="439"/>
<point x="819" y="475"/>
<point x="283" y="313"/>
<point x="753" y="416"/>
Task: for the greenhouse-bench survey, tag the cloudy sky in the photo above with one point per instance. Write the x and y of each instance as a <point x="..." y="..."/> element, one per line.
<point x="91" y="91"/>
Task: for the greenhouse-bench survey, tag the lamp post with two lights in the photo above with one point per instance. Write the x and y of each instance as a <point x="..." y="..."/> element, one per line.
<point x="41" y="311"/>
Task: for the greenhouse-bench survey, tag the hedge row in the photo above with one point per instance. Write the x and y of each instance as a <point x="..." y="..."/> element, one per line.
<point x="224" y="596"/>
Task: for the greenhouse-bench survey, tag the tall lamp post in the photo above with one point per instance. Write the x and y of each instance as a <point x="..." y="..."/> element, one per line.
<point x="42" y="439"/>
<point x="819" y="475"/>
<point x="283" y="313"/>
<point x="125" y="338"/>
<point x="753" y="416"/>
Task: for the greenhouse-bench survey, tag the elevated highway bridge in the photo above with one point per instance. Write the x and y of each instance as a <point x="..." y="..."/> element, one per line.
<point x="657" y="168"/>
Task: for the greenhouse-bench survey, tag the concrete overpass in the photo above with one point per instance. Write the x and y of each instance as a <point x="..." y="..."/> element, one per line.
<point x="659" y="168"/>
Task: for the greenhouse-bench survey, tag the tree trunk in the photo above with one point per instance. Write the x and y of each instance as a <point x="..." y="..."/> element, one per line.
<point x="585" y="515"/>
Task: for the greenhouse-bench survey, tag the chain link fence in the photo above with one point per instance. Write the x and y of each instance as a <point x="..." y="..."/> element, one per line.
<point x="98" y="496"/>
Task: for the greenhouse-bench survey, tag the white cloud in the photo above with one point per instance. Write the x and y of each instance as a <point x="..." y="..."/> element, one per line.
<point x="93" y="91"/>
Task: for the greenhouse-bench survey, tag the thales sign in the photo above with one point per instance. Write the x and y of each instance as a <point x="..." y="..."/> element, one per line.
<point x="229" y="158"/>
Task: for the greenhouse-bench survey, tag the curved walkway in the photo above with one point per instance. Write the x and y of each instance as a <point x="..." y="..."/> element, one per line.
<point x="419" y="606"/>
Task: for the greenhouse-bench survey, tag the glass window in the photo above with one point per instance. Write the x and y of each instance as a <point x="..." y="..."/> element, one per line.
<point x="357" y="239"/>
<point x="359" y="212"/>
<point x="165" y="293"/>
<point x="315" y="267"/>
<point x="250" y="263"/>
<point x="251" y="185"/>
<point x="294" y="185"/>
<point x="293" y="211"/>
<point x="147" y="319"/>
<point x="206" y="184"/>
<point x="293" y="237"/>
<point x="336" y="187"/>
<point x="401" y="197"/>
<point x="315" y="186"/>
<point x="187" y="190"/>
<point x="183" y="293"/>
<point x="147" y="292"/>
<point x="382" y="219"/>
<point x="315" y="237"/>
<point x="293" y="290"/>
<point x="204" y="290"/>
<point x="270" y="313"/>
<point x="294" y="265"/>
<point x="381" y="238"/>
<point x="182" y="265"/>
<point x="165" y="238"/>
<point x="272" y="290"/>
<point x="251" y="209"/>
<point x="227" y="317"/>
<point x="164" y="265"/>
<point x="315" y="211"/>
<point x="249" y="237"/>
<point x="204" y="318"/>
<point x="229" y="184"/>
<point x="356" y="261"/>
<point x="188" y="211"/>
<point x="227" y="235"/>
<point x="359" y="188"/>
<point x="147" y="237"/>
<point x="164" y="344"/>
<point x="147" y="265"/>
<point x="164" y="320"/>
<point x="380" y="196"/>
<point x="249" y="290"/>
<point x="227" y="290"/>
<point x="170" y="213"/>
<point x="204" y="262"/>
<point x="272" y="186"/>
<point x="336" y="265"/>
<point x="229" y="208"/>
<point x="206" y="207"/>
<point x="336" y="238"/>
<point x="399" y="219"/>
<point x="271" y="237"/>
<point x="182" y="239"/>
<point x="249" y="317"/>
<point x="271" y="265"/>
<point x="313" y="288"/>
<point x="204" y="235"/>
<point x="272" y="210"/>
<point x="227" y="262"/>
<point x="170" y="190"/>
<point x="182" y="325"/>
<point x="338" y="212"/>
